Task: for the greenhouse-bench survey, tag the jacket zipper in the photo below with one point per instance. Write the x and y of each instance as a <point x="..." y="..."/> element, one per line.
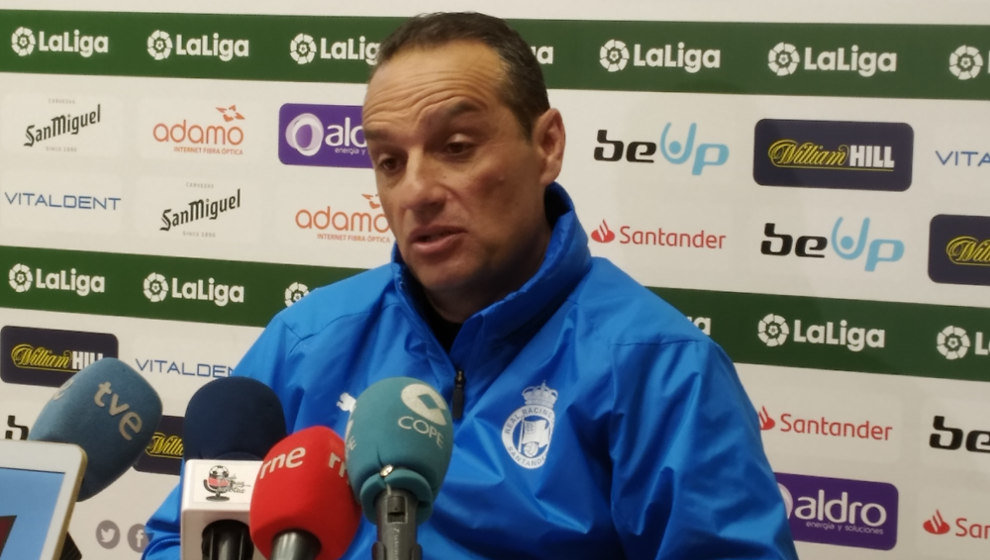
<point x="457" y="401"/>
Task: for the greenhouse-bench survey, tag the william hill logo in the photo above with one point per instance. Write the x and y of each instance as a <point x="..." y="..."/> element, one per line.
<point x="49" y="357"/>
<point x="835" y="154"/>
<point x="959" y="249"/>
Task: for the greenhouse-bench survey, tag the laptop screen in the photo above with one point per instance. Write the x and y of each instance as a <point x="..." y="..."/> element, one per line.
<point x="28" y="501"/>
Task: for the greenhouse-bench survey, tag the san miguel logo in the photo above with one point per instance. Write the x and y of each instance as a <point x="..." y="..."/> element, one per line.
<point x="959" y="249"/>
<point x="49" y="357"/>
<point x="833" y="154"/>
<point x="200" y="209"/>
<point x="61" y="125"/>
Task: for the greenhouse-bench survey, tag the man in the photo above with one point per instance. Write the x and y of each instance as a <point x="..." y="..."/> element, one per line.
<point x="636" y="440"/>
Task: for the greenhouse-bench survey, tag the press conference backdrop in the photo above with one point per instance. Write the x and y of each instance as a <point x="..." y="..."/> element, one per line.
<point x="808" y="183"/>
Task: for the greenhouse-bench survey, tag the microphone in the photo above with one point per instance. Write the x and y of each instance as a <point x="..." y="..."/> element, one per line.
<point x="110" y="411"/>
<point x="302" y="507"/>
<point x="230" y="424"/>
<point x="399" y="440"/>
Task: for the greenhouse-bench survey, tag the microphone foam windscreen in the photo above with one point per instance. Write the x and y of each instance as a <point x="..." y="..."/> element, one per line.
<point x="235" y="418"/>
<point x="110" y="411"/>
<point x="403" y="424"/>
<point x="302" y="485"/>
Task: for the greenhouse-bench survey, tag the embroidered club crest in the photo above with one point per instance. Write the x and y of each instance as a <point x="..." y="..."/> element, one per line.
<point x="526" y="433"/>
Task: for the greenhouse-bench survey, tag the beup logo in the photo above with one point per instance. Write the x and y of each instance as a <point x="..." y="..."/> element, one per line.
<point x="840" y="511"/>
<point x="773" y="330"/>
<point x="324" y="135"/>
<point x="965" y="62"/>
<point x="304" y="48"/>
<point x="937" y="525"/>
<point x="161" y="46"/>
<point x="837" y="154"/>
<point x="222" y="138"/>
<point x="976" y="441"/>
<point x="659" y="237"/>
<point x="614" y="56"/>
<point x="959" y="249"/>
<point x="158" y="288"/>
<point x="22" y="280"/>
<point x="784" y="59"/>
<point x="23" y="42"/>
<point x="340" y="225"/>
<point x="676" y="151"/>
<point x="846" y="246"/>
<point x="295" y="292"/>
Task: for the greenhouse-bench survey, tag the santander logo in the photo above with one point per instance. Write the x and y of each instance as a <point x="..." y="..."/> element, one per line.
<point x="936" y="525"/>
<point x="766" y="421"/>
<point x="825" y="426"/>
<point x="603" y="234"/>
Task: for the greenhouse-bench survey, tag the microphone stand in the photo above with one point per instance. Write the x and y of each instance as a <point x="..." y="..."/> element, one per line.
<point x="396" y="519"/>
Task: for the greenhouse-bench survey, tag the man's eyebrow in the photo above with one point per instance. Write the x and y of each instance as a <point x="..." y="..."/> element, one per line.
<point x="438" y="116"/>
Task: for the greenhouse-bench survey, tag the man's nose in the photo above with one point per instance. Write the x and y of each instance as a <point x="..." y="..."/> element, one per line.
<point x="421" y="183"/>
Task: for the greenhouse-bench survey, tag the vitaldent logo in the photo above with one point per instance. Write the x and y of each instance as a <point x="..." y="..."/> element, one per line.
<point x="23" y="42"/>
<point x="49" y="357"/>
<point x="785" y="59"/>
<point x="658" y="237"/>
<point x="60" y="125"/>
<point x="64" y="201"/>
<point x="676" y="151"/>
<point x="23" y="279"/>
<point x="222" y="136"/>
<point x="324" y="135"/>
<point x="200" y="209"/>
<point x="963" y="158"/>
<point x="793" y="423"/>
<point x="363" y="226"/>
<point x="161" y="46"/>
<point x="848" y="247"/>
<point x="966" y="62"/>
<point x="959" y="249"/>
<point x="179" y="368"/>
<point x="614" y="56"/>
<point x="773" y="331"/>
<point x="158" y="288"/>
<point x="837" y="154"/>
<point x="840" y="511"/>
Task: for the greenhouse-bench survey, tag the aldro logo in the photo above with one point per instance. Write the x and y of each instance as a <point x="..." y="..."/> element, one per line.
<point x="157" y="288"/>
<point x="161" y="46"/>
<point x="774" y="331"/>
<point x="615" y="56"/>
<point x="954" y="343"/>
<point x="785" y="59"/>
<point x="23" y="279"/>
<point x="24" y="42"/>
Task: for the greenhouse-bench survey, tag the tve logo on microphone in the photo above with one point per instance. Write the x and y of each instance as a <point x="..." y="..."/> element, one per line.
<point x="323" y="135"/>
<point x="839" y="511"/>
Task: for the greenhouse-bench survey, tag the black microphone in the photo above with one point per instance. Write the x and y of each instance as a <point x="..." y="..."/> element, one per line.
<point x="399" y="441"/>
<point x="228" y="419"/>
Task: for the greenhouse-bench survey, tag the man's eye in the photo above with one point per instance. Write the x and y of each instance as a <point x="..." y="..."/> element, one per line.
<point x="455" y="148"/>
<point x="387" y="164"/>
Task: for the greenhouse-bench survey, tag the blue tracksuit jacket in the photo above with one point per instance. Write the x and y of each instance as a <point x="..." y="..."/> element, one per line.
<point x="598" y="422"/>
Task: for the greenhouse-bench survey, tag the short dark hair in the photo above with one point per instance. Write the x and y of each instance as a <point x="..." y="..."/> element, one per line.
<point x="523" y="89"/>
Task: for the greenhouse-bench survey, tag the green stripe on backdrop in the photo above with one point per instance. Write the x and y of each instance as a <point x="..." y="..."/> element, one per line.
<point x="839" y="334"/>
<point x="851" y="60"/>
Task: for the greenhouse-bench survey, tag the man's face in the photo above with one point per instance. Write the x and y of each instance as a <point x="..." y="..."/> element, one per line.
<point x="460" y="183"/>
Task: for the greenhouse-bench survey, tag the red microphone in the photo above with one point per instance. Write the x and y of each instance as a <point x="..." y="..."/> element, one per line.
<point x="302" y="506"/>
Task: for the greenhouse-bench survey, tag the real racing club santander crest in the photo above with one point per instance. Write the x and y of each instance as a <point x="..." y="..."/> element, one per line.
<point x="526" y="433"/>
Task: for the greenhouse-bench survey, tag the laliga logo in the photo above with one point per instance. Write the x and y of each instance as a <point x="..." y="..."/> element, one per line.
<point x="295" y="292"/>
<point x="614" y="55"/>
<point x="952" y="342"/>
<point x="302" y="49"/>
<point x="23" y="41"/>
<point x="773" y="330"/>
<point x="20" y="278"/>
<point x="965" y="62"/>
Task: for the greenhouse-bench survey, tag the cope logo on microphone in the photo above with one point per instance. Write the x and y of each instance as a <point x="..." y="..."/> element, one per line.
<point x="322" y="135"/>
<point x="429" y="406"/>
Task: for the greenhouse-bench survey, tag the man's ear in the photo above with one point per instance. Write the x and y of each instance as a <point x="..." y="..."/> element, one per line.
<point x="549" y="140"/>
